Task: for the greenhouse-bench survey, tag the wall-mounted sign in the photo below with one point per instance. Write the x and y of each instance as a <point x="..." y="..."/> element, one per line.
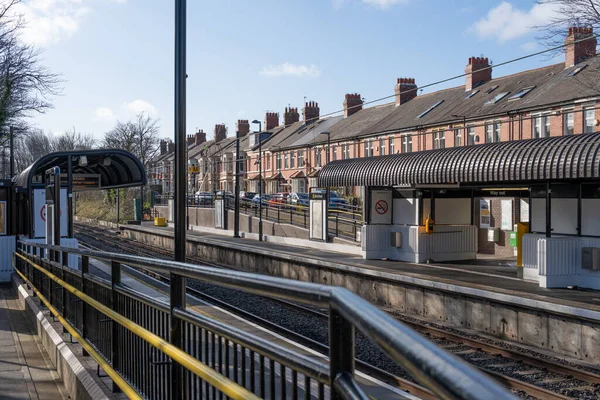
<point x="193" y="169"/>
<point x="381" y="207"/>
<point x="82" y="181"/>
<point x="40" y="213"/>
<point x="485" y="214"/>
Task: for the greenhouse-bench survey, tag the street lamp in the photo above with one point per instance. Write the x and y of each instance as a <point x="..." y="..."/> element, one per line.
<point x="236" y="215"/>
<point x="260" y="180"/>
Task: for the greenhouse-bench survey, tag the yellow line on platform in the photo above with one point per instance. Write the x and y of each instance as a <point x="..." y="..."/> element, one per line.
<point x="220" y="382"/>
<point x="114" y="375"/>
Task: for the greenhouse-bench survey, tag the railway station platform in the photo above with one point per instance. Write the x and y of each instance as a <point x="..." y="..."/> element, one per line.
<point x="26" y="371"/>
<point x="484" y="297"/>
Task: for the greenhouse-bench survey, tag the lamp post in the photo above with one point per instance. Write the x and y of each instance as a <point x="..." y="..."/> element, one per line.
<point x="260" y="180"/>
<point x="236" y="212"/>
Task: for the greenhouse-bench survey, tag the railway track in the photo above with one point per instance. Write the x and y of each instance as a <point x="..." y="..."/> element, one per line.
<point x="525" y="374"/>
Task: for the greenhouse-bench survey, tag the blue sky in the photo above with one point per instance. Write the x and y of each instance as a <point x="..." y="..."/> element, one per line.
<point x="248" y="57"/>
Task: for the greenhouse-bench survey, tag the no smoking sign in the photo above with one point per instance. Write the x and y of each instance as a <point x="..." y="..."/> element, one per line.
<point x="381" y="207"/>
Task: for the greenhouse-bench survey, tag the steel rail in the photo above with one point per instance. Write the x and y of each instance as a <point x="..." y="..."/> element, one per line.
<point x="106" y="367"/>
<point x="218" y="381"/>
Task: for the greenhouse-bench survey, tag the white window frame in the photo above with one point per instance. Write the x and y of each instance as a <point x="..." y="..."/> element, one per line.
<point x="568" y="121"/>
<point x="286" y="160"/>
<point x="439" y="139"/>
<point x="300" y="156"/>
<point x="458" y="136"/>
<point x="406" y="143"/>
<point x="391" y="145"/>
<point x="589" y="117"/>
<point x="541" y="123"/>
<point x="382" y="147"/>
<point x="470" y="135"/>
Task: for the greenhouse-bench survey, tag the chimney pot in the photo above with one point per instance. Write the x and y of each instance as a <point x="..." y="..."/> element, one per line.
<point x="477" y="70"/>
<point x="352" y="104"/>
<point x="310" y="113"/>
<point x="406" y="90"/>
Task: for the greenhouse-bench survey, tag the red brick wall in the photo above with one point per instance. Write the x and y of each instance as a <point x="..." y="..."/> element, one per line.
<point x="502" y="247"/>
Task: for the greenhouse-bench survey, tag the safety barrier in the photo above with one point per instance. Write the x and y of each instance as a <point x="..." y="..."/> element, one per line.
<point x="129" y="334"/>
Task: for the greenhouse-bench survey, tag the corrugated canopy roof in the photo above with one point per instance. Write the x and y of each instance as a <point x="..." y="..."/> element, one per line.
<point x="555" y="158"/>
<point x="123" y="169"/>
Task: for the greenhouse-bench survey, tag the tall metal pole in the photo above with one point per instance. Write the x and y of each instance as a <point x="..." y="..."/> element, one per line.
<point x="69" y="196"/>
<point x="142" y="186"/>
<point x="236" y="214"/>
<point x="177" y="287"/>
<point x="260" y="183"/>
<point x="12" y="152"/>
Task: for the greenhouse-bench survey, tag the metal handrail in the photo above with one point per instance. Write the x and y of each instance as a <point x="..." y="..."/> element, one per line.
<point x="217" y="380"/>
<point x="445" y="375"/>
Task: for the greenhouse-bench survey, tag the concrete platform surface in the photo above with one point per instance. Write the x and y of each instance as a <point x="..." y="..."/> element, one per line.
<point x="497" y="276"/>
<point x="26" y="371"/>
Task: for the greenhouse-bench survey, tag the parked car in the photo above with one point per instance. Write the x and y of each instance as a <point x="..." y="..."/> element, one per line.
<point x="335" y="200"/>
<point x="279" y="198"/>
<point x="204" y="198"/>
<point x="257" y="200"/>
<point x="247" y="196"/>
<point x="298" y="199"/>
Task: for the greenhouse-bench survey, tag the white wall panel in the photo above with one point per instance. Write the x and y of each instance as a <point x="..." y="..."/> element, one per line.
<point x="590" y="217"/>
<point x="538" y="215"/>
<point x="406" y="212"/>
<point x="564" y="216"/>
<point x="453" y="211"/>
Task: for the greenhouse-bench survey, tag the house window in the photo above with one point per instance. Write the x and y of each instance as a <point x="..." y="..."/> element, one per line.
<point x="391" y="139"/>
<point x="406" y="143"/>
<point x="286" y="160"/>
<point x="568" y="123"/>
<point x="278" y="160"/>
<point x="300" y="158"/>
<point x="268" y="157"/>
<point x="345" y="151"/>
<point x="317" y="157"/>
<point x="368" y="148"/>
<point x="541" y="126"/>
<point x="471" y="135"/>
<point x="439" y="139"/>
<point x="334" y="153"/>
<point x="589" y="121"/>
<point x="382" y="147"/>
<point x="292" y="159"/>
<point x="492" y="132"/>
<point x="458" y="137"/>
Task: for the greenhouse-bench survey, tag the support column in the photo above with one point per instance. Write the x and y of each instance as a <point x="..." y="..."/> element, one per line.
<point x="548" y="210"/>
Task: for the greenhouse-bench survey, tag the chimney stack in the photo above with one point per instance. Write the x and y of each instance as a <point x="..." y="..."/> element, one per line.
<point x="200" y="137"/>
<point x="271" y="120"/>
<point x="190" y="140"/>
<point x="243" y="127"/>
<point x="171" y="147"/>
<point x="310" y="112"/>
<point x="580" y="51"/>
<point x="290" y="115"/>
<point x="477" y="71"/>
<point x="352" y="103"/>
<point x="220" y="132"/>
<point x="163" y="147"/>
<point x="406" y="90"/>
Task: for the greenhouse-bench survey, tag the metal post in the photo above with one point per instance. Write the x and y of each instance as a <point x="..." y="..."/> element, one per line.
<point x="70" y="197"/>
<point x="85" y="269"/>
<point x="341" y="349"/>
<point x="579" y="196"/>
<point x="115" y="278"/>
<point x="177" y="287"/>
<point x="236" y="214"/>
<point x="548" y="210"/>
<point x="12" y="152"/>
<point x="118" y="205"/>
<point x="260" y="183"/>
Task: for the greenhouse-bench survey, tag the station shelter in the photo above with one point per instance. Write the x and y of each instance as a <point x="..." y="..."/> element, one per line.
<point x="23" y="199"/>
<point x="538" y="199"/>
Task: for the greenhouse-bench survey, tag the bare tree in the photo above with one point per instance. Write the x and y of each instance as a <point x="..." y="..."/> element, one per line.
<point x="73" y="140"/>
<point x="568" y="13"/>
<point x="26" y="86"/>
<point x="139" y="136"/>
<point x="29" y="147"/>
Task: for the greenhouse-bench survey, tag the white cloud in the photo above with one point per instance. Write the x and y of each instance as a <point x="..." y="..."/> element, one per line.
<point x="506" y="22"/>
<point x="287" y="69"/>
<point x="384" y="3"/>
<point x="104" y="114"/>
<point x="138" y="106"/>
<point x="50" y="21"/>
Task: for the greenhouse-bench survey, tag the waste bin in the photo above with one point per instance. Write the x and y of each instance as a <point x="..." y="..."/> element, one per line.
<point x="137" y="209"/>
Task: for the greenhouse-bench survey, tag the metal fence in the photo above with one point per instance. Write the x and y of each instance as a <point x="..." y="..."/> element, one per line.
<point x="127" y="332"/>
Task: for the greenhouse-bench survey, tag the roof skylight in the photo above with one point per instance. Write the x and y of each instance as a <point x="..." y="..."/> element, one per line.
<point x="496" y="98"/>
<point x="521" y="93"/>
<point x="577" y="70"/>
<point x="429" y="109"/>
<point x="473" y="93"/>
<point x="490" y="90"/>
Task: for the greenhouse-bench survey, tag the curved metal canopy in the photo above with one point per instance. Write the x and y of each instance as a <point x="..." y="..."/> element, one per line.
<point x="116" y="168"/>
<point x="555" y="158"/>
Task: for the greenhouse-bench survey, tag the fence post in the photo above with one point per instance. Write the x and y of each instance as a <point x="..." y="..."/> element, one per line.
<point x="278" y="210"/>
<point x="337" y="232"/>
<point x="341" y="349"/>
<point x="115" y="276"/>
<point x="85" y="268"/>
<point x="63" y="308"/>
